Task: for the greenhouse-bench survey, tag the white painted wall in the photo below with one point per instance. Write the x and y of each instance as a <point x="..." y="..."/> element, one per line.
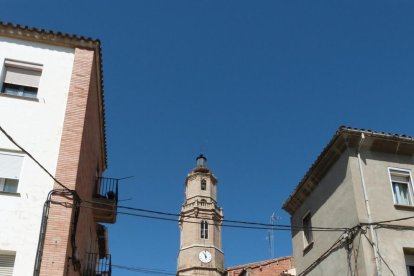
<point x="37" y="126"/>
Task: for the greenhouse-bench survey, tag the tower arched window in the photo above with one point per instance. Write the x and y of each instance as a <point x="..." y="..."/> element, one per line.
<point x="203" y="184"/>
<point x="204" y="229"/>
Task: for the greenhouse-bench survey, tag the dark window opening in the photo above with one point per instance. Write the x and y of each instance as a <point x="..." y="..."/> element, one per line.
<point x="203" y="184"/>
<point x="19" y="90"/>
<point x="204" y="229"/>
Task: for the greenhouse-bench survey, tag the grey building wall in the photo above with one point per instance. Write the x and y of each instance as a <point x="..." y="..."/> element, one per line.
<point x="391" y="242"/>
<point x="338" y="201"/>
<point x="331" y="204"/>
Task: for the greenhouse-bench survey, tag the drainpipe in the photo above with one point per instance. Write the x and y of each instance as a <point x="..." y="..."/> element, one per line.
<point x="371" y="227"/>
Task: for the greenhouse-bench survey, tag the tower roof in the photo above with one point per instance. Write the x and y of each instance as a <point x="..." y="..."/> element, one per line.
<point x="201" y="164"/>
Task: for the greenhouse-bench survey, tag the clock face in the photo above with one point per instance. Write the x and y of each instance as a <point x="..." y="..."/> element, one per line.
<point x="205" y="256"/>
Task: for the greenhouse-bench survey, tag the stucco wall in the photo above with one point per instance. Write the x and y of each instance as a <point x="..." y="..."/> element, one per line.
<point x="331" y="204"/>
<point x="37" y="126"/>
<point x="390" y="241"/>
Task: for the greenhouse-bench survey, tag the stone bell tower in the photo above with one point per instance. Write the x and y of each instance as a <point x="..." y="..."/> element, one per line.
<point x="200" y="225"/>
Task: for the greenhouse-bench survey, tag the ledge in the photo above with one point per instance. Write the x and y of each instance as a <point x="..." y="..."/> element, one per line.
<point x="10" y="194"/>
<point x="19" y="97"/>
<point x="307" y="248"/>
<point x="404" y="207"/>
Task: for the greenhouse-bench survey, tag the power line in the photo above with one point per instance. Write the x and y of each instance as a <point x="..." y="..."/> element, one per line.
<point x="387" y="221"/>
<point x="324" y="255"/>
<point x="372" y="244"/>
<point x="264" y="225"/>
<point x="257" y="227"/>
<point x="258" y="224"/>
<point x="34" y="159"/>
<point x="144" y="270"/>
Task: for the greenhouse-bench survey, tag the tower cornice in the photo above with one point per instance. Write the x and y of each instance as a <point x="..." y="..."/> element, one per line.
<point x="193" y="174"/>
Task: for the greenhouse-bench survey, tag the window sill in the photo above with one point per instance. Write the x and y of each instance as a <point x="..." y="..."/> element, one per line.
<point x="404" y="207"/>
<point x="10" y="194"/>
<point x="19" y="97"/>
<point x="307" y="248"/>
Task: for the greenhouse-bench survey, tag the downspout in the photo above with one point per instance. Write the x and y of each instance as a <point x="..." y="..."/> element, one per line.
<point x="371" y="227"/>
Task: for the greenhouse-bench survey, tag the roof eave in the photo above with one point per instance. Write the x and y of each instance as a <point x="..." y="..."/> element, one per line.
<point x="345" y="137"/>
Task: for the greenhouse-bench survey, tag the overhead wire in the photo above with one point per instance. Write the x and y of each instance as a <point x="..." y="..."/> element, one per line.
<point x="33" y="158"/>
<point x="372" y="244"/>
<point x="257" y="224"/>
<point x="144" y="270"/>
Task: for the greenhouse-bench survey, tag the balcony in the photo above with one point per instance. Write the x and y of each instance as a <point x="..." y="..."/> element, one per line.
<point x="96" y="266"/>
<point x="105" y="199"/>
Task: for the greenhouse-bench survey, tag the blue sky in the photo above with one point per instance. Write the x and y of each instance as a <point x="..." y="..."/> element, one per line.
<point x="259" y="86"/>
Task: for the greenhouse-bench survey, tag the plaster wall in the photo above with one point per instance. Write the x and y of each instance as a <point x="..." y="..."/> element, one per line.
<point x="331" y="204"/>
<point x="37" y="126"/>
<point x="390" y="241"/>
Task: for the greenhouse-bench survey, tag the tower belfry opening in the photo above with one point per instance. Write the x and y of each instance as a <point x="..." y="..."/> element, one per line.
<point x="200" y="224"/>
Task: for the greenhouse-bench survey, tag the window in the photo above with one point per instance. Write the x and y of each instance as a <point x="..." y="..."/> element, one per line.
<point x="409" y="261"/>
<point x="7" y="263"/>
<point x="410" y="270"/>
<point x="204" y="229"/>
<point x="401" y="186"/>
<point x="10" y="166"/>
<point x="21" y="79"/>
<point x="203" y="184"/>
<point x="307" y="230"/>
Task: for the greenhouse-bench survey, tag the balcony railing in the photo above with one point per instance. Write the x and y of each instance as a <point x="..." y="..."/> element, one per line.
<point x="107" y="188"/>
<point x="96" y="266"/>
<point x="106" y="199"/>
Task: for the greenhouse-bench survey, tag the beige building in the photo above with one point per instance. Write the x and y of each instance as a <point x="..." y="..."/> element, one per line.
<point x="200" y="225"/>
<point x="361" y="182"/>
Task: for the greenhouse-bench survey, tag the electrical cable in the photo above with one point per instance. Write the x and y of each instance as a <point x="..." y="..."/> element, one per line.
<point x="264" y="225"/>
<point x="144" y="270"/>
<point x="288" y="227"/>
<point x="258" y="227"/>
<point x="387" y="221"/>
<point x="34" y="159"/>
<point x="336" y="244"/>
<point x="372" y="244"/>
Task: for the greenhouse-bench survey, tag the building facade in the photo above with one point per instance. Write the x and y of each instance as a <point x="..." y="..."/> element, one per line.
<point x="351" y="212"/>
<point x="282" y="266"/>
<point x="52" y="116"/>
<point x="200" y="225"/>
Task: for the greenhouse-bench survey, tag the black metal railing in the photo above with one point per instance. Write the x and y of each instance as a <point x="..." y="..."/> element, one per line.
<point x="107" y="188"/>
<point x="96" y="266"/>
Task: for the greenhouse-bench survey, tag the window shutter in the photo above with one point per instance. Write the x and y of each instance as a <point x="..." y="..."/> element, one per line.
<point x="6" y="265"/>
<point x="20" y="76"/>
<point x="10" y="166"/>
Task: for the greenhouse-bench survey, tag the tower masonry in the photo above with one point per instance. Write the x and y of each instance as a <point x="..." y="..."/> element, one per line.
<point x="200" y="225"/>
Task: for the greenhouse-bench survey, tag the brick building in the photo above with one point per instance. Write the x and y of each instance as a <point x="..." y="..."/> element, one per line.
<point x="51" y="104"/>
<point x="275" y="267"/>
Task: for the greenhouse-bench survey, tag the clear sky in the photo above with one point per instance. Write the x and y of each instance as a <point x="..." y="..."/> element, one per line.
<point x="259" y="86"/>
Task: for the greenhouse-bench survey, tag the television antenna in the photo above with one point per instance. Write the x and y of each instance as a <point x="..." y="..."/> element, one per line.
<point x="270" y="235"/>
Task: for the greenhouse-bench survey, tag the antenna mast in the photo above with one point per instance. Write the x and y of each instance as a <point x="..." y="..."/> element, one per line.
<point x="273" y="219"/>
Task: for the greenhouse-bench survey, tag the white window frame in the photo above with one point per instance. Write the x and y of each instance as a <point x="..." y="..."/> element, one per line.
<point x="409" y="184"/>
<point x="306" y="242"/>
<point x="2" y="179"/>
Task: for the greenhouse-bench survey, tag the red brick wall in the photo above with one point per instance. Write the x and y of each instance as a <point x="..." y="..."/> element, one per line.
<point x="79" y="158"/>
<point x="265" y="268"/>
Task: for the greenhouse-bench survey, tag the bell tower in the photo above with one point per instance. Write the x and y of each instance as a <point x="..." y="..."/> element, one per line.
<point x="200" y="225"/>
